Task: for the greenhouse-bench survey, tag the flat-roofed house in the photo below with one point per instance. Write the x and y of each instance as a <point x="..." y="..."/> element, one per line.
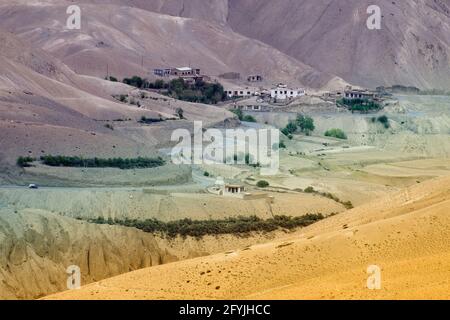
<point x="359" y="94"/>
<point x="240" y="92"/>
<point x="282" y="92"/>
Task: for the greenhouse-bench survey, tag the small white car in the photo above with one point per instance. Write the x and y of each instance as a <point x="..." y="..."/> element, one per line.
<point x="33" y="186"/>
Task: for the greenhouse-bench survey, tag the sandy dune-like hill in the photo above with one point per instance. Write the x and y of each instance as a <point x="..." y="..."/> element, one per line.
<point x="405" y="234"/>
<point x="125" y="41"/>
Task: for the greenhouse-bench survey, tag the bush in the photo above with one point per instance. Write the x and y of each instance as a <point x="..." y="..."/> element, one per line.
<point x="310" y="190"/>
<point x="361" y="105"/>
<point x="249" y="118"/>
<point x="262" y="184"/>
<point x="199" y="228"/>
<point x="135" y="81"/>
<point x="384" y="120"/>
<point x="206" y="174"/>
<point x="112" y="79"/>
<point x="24" y="162"/>
<point x="79" y="162"/>
<point x="180" y="113"/>
<point x="305" y="123"/>
<point x="336" y="133"/>
<point x="238" y="113"/>
<point x="109" y="126"/>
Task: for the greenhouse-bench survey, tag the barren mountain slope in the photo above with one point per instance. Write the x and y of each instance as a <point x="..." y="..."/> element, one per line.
<point x="406" y="234"/>
<point x="45" y="108"/>
<point x="125" y="41"/>
<point x="412" y="48"/>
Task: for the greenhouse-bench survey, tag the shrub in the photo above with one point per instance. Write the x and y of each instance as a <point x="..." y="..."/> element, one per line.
<point x="336" y="133"/>
<point x="199" y="228"/>
<point x="361" y="105"/>
<point x="206" y="174"/>
<point x="249" y="118"/>
<point x="24" y="162"/>
<point x="79" y="162"/>
<point x="305" y="123"/>
<point x="384" y="120"/>
<point x="310" y="190"/>
<point x="109" y="126"/>
<point x="180" y="113"/>
<point x="238" y="113"/>
<point x="135" y="81"/>
<point x="262" y="184"/>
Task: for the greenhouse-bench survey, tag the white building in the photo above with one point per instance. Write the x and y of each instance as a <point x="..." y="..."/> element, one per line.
<point x="282" y="92"/>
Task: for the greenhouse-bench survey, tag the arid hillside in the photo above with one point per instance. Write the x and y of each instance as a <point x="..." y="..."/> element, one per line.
<point x="124" y="41"/>
<point x="405" y="234"/>
<point x="410" y="49"/>
<point x="46" y="108"/>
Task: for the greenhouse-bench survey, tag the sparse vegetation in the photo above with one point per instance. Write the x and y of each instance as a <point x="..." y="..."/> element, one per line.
<point x="336" y="133"/>
<point x="384" y="120"/>
<point x="80" y="162"/>
<point x="25" y="162"/>
<point x="112" y="79"/>
<point x="238" y="113"/>
<point x="180" y="113"/>
<point x="146" y="120"/>
<point x="198" y="92"/>
<point x="360" y="105"/>
<point x="249" y="118"/>
<point x="262" y="184"/>
<point x="303" y="124"/>
<point x="346" y="204"/>
<point x="109" y="126"/>
<point x="240" y="226"/>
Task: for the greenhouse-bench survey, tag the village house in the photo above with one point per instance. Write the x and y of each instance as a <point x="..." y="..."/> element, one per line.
<point x="254" y="78"/>
<point x="359" y="94"/>
<point x="282" y="92"/>
<point x="240" y="92"/>
<point x="254" y="105"/>
<point x="177" y="72"/>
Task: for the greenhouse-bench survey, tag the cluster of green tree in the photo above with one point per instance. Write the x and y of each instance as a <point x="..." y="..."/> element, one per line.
<point x="346" y="204"/>
<point x="384" y="120"/>
<point x="198" y="92"/>
<point x="242" y="117"/>
<point x="303" y="124"/>
<point x="79" y="162"/>
<point x="360" y="105"/>
<point x="25" y="162"/>
<point x="336" y="133"/>
<point x="195" y="228"/>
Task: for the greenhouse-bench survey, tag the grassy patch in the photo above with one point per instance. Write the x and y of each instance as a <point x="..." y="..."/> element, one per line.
<point x="336" y="133"/>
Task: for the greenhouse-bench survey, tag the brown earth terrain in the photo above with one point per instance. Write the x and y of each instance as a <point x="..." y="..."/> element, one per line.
<point x="328" y="260"/>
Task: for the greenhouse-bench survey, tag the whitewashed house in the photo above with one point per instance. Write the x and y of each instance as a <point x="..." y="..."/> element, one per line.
<point x="282" y="92"/>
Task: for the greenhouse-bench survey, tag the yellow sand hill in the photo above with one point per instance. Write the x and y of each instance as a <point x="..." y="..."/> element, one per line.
<point x="406" y="234"/>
